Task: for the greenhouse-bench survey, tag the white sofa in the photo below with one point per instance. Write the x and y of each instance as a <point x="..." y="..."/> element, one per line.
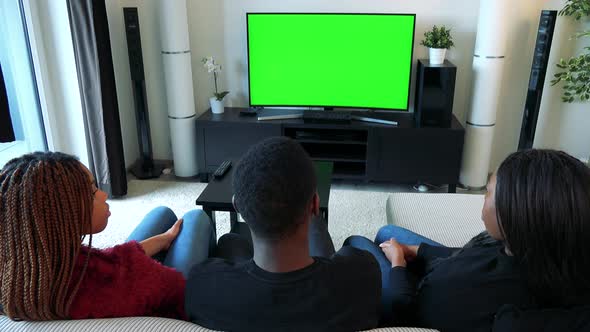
<point x="450" y="219"/>
<point x="131" y="324"/>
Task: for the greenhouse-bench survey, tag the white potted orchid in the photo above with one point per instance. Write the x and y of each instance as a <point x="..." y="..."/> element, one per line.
<point x="216" y="101"/>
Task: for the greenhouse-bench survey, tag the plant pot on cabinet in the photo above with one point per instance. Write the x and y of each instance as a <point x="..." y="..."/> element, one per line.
<point x="437" y="55"/>
<point x="216" y="105"/>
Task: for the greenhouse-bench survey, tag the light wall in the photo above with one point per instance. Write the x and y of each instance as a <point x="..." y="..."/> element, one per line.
<point x="561" y="125"/>
<point x="218" y="28"/>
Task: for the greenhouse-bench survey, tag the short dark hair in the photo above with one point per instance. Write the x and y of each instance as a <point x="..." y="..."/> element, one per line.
<point x="273" y="184"/>
<point x="543" y="208"/>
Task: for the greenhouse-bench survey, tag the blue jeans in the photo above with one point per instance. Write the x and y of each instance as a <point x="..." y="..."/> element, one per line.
<point x="403" y="236"/>
<point x="193" y="244"/>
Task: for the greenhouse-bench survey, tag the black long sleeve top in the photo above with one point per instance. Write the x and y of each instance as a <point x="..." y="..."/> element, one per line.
<point x="461" y="290"/>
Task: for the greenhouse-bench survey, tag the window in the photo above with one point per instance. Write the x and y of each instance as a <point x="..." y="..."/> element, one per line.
<point x="21" y="125"/>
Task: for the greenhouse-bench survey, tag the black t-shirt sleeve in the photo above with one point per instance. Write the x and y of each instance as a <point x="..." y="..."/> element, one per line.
<point x="365" y="267"/>
<point x="403" y="294"/>
<point x="360" y="259"/>
<point x="201" y="284"/>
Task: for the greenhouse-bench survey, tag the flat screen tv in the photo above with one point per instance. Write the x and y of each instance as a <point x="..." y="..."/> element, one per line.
<point x="330" y="60"/>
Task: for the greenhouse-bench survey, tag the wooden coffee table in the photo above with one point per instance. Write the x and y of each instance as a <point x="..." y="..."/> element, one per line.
<point x="217" y="196"/>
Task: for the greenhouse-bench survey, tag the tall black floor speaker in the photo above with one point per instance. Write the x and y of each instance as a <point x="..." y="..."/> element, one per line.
<point x="144" y="167"/>
<point x="537" y="79"/>
<point x="435" y="91"/>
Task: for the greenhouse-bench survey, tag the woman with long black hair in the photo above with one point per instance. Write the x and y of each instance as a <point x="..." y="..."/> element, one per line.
<point x="535" y="253"/>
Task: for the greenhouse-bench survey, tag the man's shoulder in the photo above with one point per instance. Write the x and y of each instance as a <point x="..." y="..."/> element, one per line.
<point x="215" y="267"/>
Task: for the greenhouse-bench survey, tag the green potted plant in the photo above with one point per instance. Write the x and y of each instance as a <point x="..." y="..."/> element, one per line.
<point x="438" y="40"/>
<point x="576" y="70"/>
<point x="216" y="101"/>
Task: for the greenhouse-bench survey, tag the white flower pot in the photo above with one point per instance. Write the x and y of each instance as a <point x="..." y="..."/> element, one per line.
<point x="216" y="105"/>
<point x="437" y="55"/>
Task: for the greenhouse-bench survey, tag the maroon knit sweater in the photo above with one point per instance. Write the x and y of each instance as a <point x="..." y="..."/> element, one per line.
<point x="123" y="281"/>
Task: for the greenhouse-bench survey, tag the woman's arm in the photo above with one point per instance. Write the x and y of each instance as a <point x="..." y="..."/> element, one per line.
<point x="427" y="252"/>
<point x="401" y="285"/>
<point x="160" y="242"/>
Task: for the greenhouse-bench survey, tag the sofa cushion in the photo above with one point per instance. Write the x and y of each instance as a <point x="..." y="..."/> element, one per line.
<point x="449" y="219"/>
<point x="512" y="319"/>
<point x="130" y="324"/>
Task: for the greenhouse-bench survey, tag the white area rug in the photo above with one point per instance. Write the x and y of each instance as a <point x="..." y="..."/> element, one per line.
<point x="351" y="211"/>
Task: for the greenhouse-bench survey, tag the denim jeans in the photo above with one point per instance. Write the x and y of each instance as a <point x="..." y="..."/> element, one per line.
<point x="403" y="236"/>
<point x="193" y="244"/>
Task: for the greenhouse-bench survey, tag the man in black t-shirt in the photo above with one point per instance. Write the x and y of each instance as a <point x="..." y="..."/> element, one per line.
<point x="286" y="276"/>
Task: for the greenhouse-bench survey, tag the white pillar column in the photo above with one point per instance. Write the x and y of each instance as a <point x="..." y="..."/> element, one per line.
<point x="178" y="75"/>
<point x="488" y="67"/>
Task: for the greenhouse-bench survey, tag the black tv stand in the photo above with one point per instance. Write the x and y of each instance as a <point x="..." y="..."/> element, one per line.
<point x="359" y="150"/>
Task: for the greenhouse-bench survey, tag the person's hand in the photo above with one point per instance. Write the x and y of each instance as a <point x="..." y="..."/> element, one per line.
<point x="171" y="234"/>
<point x="162" y="241"/>
<point x="394" y="252"/>
<point x="410" y="252"/>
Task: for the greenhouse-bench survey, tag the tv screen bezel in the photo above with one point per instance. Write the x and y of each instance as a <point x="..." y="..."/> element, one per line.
<point x="356" y="107"/>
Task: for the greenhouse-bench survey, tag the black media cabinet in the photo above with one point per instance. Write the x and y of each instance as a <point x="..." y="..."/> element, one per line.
<point x="359" y="150"/>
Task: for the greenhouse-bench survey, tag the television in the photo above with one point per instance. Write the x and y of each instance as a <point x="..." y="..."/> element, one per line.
<point x="330" y="60"/>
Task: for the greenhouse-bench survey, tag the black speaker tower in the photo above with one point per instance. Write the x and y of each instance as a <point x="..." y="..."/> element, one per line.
<point x="144" y="167"/>
<point x="435" y="91"/>
<point x="537" y="79"/>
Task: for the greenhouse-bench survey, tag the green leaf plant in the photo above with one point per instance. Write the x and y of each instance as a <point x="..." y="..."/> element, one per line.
<point x="575" y="73"/>
<point x="438" y="38"/>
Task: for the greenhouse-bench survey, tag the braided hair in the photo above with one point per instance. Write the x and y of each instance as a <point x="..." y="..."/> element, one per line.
<point x="45" y="211"/>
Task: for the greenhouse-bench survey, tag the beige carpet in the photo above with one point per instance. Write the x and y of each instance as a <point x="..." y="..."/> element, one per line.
<point x="353" y="209"/>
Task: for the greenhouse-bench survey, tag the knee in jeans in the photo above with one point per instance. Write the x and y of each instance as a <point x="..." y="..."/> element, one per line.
<point x="197" y="216"/>
<point x="355" y="240"/>
<point x="163" y="210"/>
<point x="385" y="233"/>
<point x="229" y="237"/>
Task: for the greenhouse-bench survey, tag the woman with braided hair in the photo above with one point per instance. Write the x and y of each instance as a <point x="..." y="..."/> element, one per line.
<point x="48" y="204"/>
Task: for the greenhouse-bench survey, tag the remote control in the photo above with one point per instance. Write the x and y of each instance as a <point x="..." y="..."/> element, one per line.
<point x="222" y="169"/>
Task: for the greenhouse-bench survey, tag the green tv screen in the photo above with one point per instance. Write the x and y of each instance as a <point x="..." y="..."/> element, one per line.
<point x="330" y="60"/>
